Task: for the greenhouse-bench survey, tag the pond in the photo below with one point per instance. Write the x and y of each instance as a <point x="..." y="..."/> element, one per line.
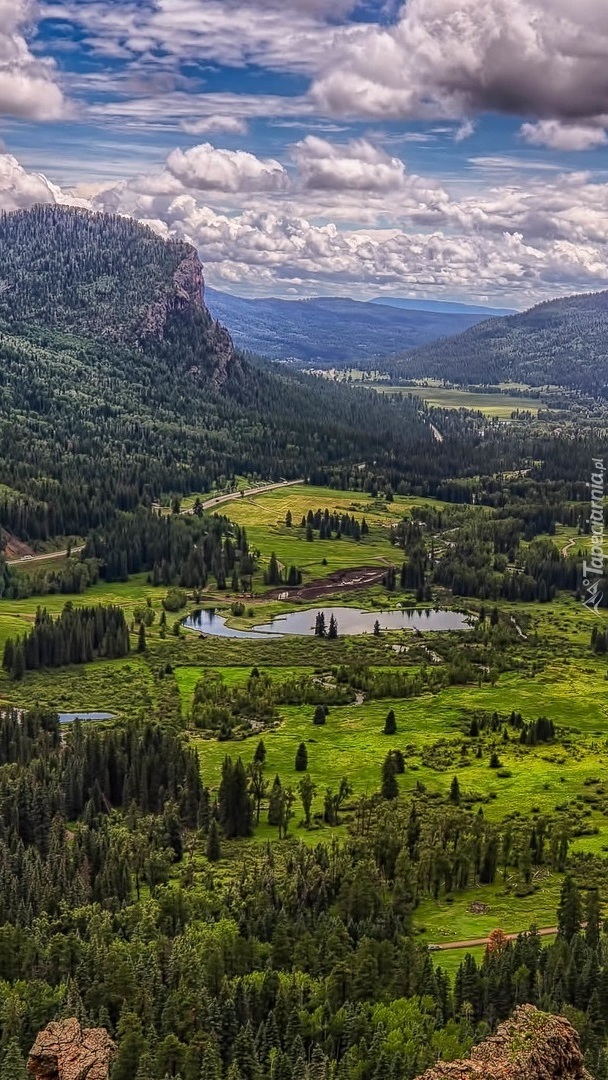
<point x="69" y="717"/>
<point x="350" y="621"/>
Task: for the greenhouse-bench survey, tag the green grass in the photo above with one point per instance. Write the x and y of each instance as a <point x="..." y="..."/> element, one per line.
<point x="499" y="406"/>
<point x="441" y="920"/>
<point x="264" y="518"/>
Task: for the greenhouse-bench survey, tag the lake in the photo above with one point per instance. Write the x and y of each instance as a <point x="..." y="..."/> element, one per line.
<point x="69" y="717"/>
<point x="350" y="621"/>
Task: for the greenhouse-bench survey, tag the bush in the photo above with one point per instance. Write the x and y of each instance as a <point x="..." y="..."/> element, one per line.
<point x="175" y="600"/>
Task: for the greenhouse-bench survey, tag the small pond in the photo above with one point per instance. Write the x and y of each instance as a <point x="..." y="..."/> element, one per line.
<point x="69" y="717"/>
<point x="350" y="621"/>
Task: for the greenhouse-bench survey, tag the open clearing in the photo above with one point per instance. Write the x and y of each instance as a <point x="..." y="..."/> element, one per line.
<point x="499" y="406"/>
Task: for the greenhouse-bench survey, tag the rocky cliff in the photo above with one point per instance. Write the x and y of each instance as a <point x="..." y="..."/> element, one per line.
<point x="186" y="294"/>
<point x="65" y="1051"/>
<point x="529" y="1046"/>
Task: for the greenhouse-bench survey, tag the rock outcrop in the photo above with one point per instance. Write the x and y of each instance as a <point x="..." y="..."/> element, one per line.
<point x="66" y="1051"/>
<point x="187" y="290"/>
<point x="529" y="1046"/>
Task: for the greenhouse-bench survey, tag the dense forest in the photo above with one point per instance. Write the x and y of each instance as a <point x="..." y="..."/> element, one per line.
<point x="299" y="963"/>
<point x="558" y="343"/>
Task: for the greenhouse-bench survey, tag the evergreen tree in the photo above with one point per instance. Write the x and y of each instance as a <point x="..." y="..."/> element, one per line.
<point x="569" y="912"/>
<point x="390" y="724"/>
<point x="141" y="638"/>
<point x="13" y="1064"/>
<point x="301" y="763"/>
<point x="389" y="788"/>
<point x="235" y="810"/>
<point x="455" y="792"/>
<point x="214" y="849"/>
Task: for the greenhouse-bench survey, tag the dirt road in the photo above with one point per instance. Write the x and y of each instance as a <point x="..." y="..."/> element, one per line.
<point x="547" y="931"/>
<point x="218" y="500"/>
<point x="25" y="560"/>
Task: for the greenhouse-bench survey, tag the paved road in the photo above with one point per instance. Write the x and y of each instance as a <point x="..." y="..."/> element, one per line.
<point x="25" y="560"/>
<point x="474" y="942"/>
<point x="218" y="500"/>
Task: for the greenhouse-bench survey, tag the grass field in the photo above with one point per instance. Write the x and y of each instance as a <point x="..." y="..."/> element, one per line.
<point x="264" y="518"/>
<point x="498" y="406"/>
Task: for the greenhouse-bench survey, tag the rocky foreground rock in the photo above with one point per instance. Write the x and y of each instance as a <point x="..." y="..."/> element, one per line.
<point x="66" y="1051"/>
<point x="529" y="1046"/>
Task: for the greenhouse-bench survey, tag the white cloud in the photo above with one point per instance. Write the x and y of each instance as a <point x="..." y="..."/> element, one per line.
<point x="558" y="136"/>
<point x="28" y="84"/>
<point x="517" y="241"/>
<point x="354" y="166"/>
<point x="545" y="58"/>
<point x="20" y="189"/>
<point x="215" y="125"/>
<point x="206" y="168"/>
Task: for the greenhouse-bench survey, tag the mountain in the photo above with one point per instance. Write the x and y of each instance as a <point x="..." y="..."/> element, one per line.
<point x="106" y="278"/>
<point x="117" y="386"/>
<point x="560" y="342"/>
<point x="440" y="306"/>
<point x="329" y="330"/>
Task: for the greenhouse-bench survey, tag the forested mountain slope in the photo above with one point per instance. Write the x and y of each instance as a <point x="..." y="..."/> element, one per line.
<point x="331" y="330"/>
<point x="562" y="342"/>
<point x="116" y="385"/>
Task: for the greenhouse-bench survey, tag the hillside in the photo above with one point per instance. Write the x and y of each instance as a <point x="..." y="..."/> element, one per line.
<point x="117" y="385"/>
<point x="330" y="330"/>
<point x="561" y="342"/>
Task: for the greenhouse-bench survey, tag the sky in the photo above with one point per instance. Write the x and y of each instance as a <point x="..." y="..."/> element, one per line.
<point x="444" y="149"/>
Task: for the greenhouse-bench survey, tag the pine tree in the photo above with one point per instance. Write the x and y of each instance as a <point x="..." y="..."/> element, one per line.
<point x="301" y="763"/>
<point x="389" y="788"/>
<point x="235" y="810"/>
<point x="390" y="724"/>
<point x="455" y="792"/>
<point x="260" y="752"/>
<point x="332" y="631"/>
<point x="13" y="1064"/>
<point x="214" y="849"/>
<point x="569" y="912"/>
<point x="141" y="639"/>
<point x="320" y="715"/>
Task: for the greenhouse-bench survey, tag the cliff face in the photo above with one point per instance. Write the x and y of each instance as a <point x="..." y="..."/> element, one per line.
<point x="186" y="293"/>
<point x="65" y="1051"/>
<point x="529" y="1046"/>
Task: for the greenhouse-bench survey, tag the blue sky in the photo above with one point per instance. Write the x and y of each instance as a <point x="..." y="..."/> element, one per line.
<point x="437" y="148"/>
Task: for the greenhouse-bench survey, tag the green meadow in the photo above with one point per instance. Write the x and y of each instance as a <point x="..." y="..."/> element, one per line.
<point x="497" y="406"/>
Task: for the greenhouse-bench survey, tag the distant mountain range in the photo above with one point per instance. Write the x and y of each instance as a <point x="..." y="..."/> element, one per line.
<point x="560" y="342"/>
<point x="442" y="306"/>
<point x="334" y="330"/>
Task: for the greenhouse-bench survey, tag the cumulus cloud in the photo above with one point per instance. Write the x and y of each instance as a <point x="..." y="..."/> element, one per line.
<point x="354" y="166"/>
<point x="216" y="125"/>
<point x="558" y="136"/>
<point x="28" y="84"/>
<point x="514" y="240"/>
<point x="20" y="189"/>
<point x="545" y="58"/>
<point x="206" y="168"/>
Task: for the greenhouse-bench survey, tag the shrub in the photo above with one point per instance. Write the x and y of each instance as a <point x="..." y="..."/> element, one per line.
<point x="175" y="600"/>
